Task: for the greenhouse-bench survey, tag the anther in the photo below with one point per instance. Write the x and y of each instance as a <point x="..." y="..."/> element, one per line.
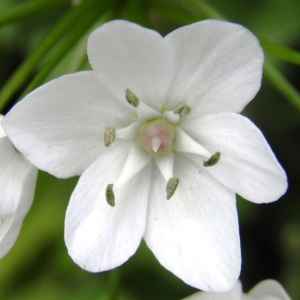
<point x="109" y="195"/>
<point x="132" y="98"/>
<point x="171" y="187"/>
<point x="213" y="160"/>
<point x="109" y="135"/>
<point x="182" y="109"/>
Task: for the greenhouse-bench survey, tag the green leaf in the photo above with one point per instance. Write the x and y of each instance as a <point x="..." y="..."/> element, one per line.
<point x="280" y="52"/>
<point x="78" y="30"/>
<point x="61" y="31"/>
<point x="29" y="9"/>
<point x="282" y="85"/>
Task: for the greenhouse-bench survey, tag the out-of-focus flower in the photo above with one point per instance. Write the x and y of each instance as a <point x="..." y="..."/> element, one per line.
<point x="265" y="290"/>
<point x="17" y="183"/>
<point x="156" y="119"/>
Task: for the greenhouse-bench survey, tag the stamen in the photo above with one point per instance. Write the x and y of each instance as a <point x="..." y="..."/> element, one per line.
<point x="165" y="164"/>
<point x="171" y="117"/>
<point x="184" y="143"/>
<point x="179" y="107"/>
<point x="182" y="109"/>
<point x="155" y="143"/>
<point x="129" y="132"/>
<point x="145" y="112"/>
<point x="132" y="98"/>
<point x="109" y="195"/>
<point x="109" y="135"/>
<point x="171" y="187"/>
<point x="213" y="160"/>
<point x="187" y="110"/>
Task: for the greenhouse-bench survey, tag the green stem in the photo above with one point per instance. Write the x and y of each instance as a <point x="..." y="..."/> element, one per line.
<point x="28" y="9"/>
<point x="51" y="39"/>
<point x="66" y="45"/>
<point x="113" y="284"/>
<point x="281" y="52"/>
<point x="282" y="85"/>
<point x="79" y="59"/>
<point x="174" y="12"/>
<point x="202" y="7"/>
<point x="136" y="11"/>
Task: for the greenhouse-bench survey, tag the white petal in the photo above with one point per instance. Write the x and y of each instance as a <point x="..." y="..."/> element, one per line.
<point x="128" y="56"/>
<point x="128" y="132"/>
<point x="100" y="237"/>
<point x="269" y="288"/>
<point x="247" y="164"/>
<point x="59" y="127"/>
<point x="184" y="143"/>
<point x="166" y="164"/>
<point x="2" y="132"/>
<point x="137" y="159"/>
<point x="145" y="112"/>
<point x="195" y="233"/>
<point x="234" y="294"/>
<point x="17" y="183"/>
<point x="218" y="65"/>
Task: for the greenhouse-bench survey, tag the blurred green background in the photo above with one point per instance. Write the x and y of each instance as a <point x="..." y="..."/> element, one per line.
<point x="38" y="266"/>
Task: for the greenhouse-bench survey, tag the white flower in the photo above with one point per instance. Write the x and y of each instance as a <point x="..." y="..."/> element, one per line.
<point x="268" y="289"/>
<point x="17" y="182"/>
<point x="183" y="94"/>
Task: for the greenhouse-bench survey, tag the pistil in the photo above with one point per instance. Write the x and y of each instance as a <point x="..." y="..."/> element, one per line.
<point x="156" y="142"/>
<point x="156" y="137"/>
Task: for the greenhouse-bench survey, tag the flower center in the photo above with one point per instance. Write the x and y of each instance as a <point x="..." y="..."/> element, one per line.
<point x="156" y="137"/>
<point x="155" y="133"/>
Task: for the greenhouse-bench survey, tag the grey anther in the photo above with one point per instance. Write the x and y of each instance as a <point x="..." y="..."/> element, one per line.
<point x="132" y="98"/>
<point x="171" y="187"/>
<point x="213" y="160"/>
<point x="109" y="195"/>
<point x="182" y="109"/>
<point x="109" y="135"/>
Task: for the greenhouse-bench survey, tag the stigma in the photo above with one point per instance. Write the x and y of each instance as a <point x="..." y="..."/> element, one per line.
<point x="156" y="137"/>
